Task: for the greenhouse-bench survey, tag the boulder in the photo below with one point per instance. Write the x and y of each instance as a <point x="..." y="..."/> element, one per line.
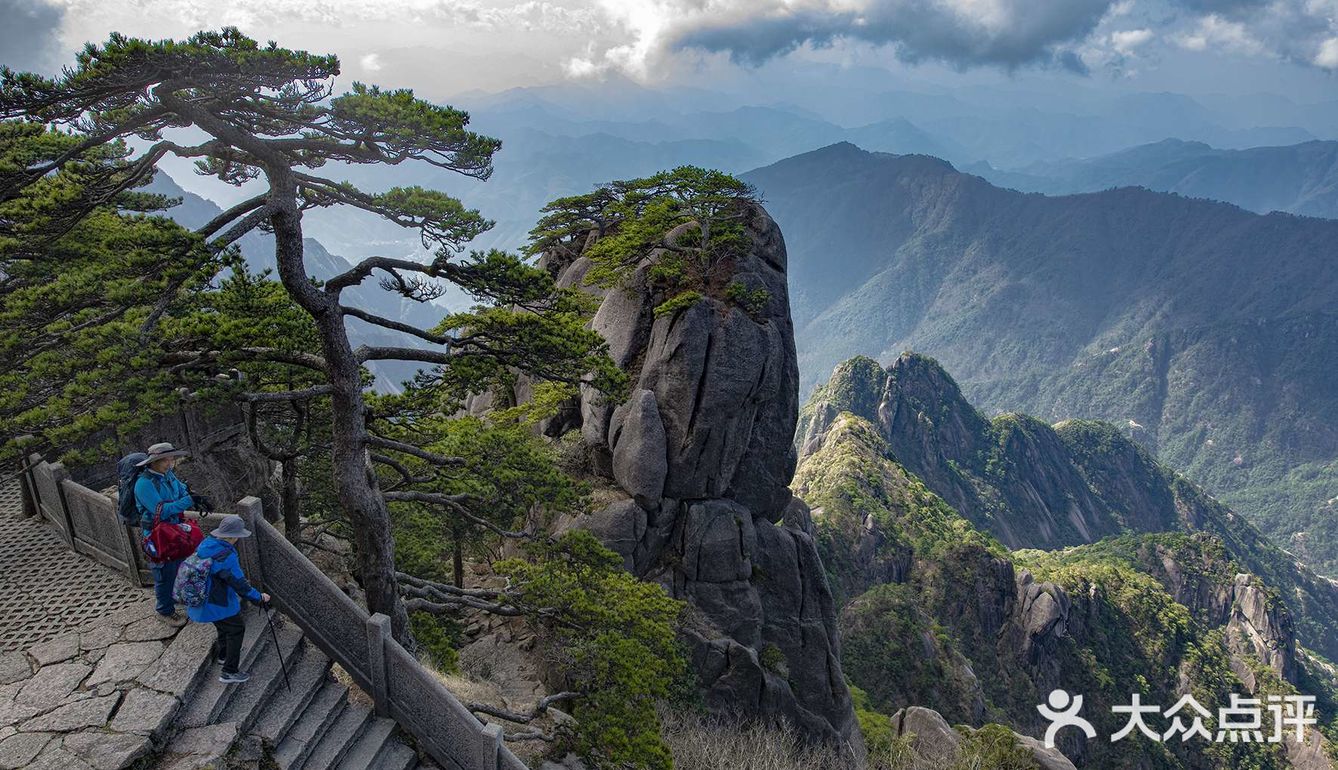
<point x="935" y="743"/>
<point x="931" y="737"/>
<point x="637" y="440"/>
<point x="623" y="319"/>
<point x="1042" y="617"/>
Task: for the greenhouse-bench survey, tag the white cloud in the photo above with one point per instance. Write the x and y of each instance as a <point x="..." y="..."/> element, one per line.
<point x="961" y="33"/>
<point x="539" y="40"/>
<point x="1126" y="40"/>
<point x="1328" y="54"/>
<point x="1214" y="33"/>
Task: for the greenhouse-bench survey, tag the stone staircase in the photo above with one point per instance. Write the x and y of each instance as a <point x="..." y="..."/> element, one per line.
<point x="154" y="700"/>
<point x="316" y="724"/>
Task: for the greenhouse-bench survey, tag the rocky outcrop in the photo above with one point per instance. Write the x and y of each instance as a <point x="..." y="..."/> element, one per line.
<point x="936" y="744"/>
<point x="1021" y="625"/>
<point x="1256" y="622"/>
<point x="1033" y="485"/>
<point x="1260" y="625"/>
<point x="1014" y="477"/>
<point x="1038" y="626"/>
<point x="702" y="453"/>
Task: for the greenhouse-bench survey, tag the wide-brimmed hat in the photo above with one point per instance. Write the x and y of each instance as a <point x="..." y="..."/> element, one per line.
<point x="232" y="526"/>
<point x="159" y="451"/>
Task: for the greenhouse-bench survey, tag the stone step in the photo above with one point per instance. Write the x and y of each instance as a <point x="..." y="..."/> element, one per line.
<point x="373" y="741"/>
<point x="307" y="731"/>
<point x="208" y="699"/>
<point x="349" y="731"/>
<point x="311" y="672"/>
<point x="395" y="756"/>
<point x="244" y="707"/>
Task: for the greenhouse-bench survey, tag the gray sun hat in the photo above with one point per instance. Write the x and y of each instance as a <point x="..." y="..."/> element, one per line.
<point x="232" y="526"/>
<point x="159" y="451"/>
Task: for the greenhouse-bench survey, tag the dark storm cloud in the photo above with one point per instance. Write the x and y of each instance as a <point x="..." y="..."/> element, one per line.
<point x="29" y="37"/>
<point x="1002" y="33"/>
<point x="1007" y="33"/>
<point x="1225" y="7"/>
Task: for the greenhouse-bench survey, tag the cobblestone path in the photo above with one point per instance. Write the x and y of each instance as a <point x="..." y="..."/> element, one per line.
<point x="45" y="589"/>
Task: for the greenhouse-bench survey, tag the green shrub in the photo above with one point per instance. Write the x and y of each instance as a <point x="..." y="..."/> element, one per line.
<point x="704" y="210"/>
<point x="437" y="638"/>
<point x="680" y="301"/>
<point x="773" y="660"/>
<point x="616" y="638"/>
<point x="994" y="747"/>
<point x="753" y="301"/>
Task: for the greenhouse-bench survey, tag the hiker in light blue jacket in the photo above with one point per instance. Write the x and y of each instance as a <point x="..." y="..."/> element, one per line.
<point x="227" y="585"/>
<point x="158" y="483"/>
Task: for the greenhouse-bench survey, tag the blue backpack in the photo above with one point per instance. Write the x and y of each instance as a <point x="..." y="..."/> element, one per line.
<point x="192" y="584"/>
<point x="127" y="472"/>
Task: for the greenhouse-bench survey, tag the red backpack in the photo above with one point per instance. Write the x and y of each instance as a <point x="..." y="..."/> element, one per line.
<point x="170" y="542"/>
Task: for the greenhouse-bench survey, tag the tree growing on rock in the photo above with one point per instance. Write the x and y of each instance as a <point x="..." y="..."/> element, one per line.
<point x="692" y="218"/>
<point x="267" y="117"/>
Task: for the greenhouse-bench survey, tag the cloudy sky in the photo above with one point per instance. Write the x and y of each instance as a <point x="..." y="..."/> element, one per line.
<point x="448" y="47"/>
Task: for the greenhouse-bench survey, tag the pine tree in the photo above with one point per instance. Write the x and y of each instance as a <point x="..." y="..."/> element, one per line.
<point x="267" y="116"/>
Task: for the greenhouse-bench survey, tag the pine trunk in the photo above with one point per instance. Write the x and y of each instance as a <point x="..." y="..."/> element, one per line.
<point x="292" y="501"/>
<point x="355" y="483"/>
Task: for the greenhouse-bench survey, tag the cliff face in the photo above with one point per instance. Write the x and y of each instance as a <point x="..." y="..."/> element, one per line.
<point x="1015" y="477"/>
<point x="699" y="459"/>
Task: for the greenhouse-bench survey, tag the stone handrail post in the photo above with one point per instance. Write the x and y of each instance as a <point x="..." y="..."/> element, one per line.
<point x="378" y="633"/>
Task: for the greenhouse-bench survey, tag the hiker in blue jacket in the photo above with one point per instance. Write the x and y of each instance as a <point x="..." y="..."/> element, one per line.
<point x="227" y="585"/>
<point x="158" y="483"/>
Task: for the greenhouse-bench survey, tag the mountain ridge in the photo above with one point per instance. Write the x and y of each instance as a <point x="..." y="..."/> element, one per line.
<point x="1198" y="327"/>
<point x="1299" y="179"/>
<point x="955" y="607"/>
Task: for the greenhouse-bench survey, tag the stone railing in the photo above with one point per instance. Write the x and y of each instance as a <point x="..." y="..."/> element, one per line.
<point x="85" y="519"/>
<point x="401" y="687"/>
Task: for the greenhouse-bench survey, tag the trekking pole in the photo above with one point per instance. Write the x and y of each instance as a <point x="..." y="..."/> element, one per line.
<point x="269" y="619"/>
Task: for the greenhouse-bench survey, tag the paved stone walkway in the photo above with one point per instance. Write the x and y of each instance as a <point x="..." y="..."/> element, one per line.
<point x="45" y="589"/>
<point x="90" y="678"/>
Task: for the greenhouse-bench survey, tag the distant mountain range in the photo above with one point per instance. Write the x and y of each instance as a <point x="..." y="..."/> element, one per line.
<point x="1298" y="178"/>
<point x="1207" y="332"/>
<point x="564" y="139"/>
<point x="546" y="155"/>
